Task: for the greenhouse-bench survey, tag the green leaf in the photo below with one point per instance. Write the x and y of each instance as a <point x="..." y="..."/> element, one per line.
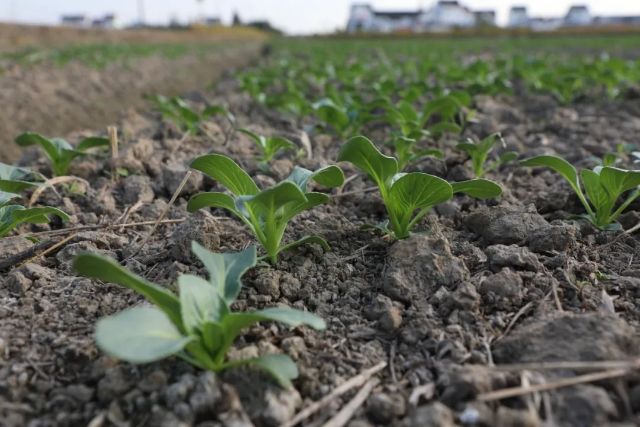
<point x="235" y="322"/>
<point x="413" y="191"/>
<point x="105" y="269"/>
<point x="557" y="164"/>
<point x="279" y="366"/>
<point x="364" y="155"/>
<point x="6" y="197"/>
<point x="38" y="215"/>
<point x="329" y="176"/>
<point x="200" y="302"/>
<point x="478" y="188"/>
<point x="139" y="335"/>
<point x="226" y="172"/>
<point x="332" y="114"/>
<point x="213" y="337"/>
<point x="268" y="201"/>
<point x="596" y="193"/>
<point x="92" y="142"/>
<point x="30" y="138"/>
<point x="226" y="270"/>
<point x="212" y="200"/>
<point x="14" y="179"/>
<point x="616" y="181"/>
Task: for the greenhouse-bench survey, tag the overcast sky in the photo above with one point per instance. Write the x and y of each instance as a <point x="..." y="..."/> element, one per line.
<point x="294" y="16"/>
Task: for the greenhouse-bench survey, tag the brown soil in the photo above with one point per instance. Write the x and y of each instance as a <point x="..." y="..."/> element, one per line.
<point x="509" y="281"/>
<point x="56" y="100"/>
<point x="14" y="37"/>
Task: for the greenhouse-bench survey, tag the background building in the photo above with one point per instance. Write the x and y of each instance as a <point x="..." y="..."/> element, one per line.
<point x="577" y="16"/>
<point x="443" y="15"/>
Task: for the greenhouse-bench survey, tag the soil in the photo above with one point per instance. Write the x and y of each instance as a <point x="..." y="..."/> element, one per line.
<point x="55" y="100"/>
<point x="514" y="280"/>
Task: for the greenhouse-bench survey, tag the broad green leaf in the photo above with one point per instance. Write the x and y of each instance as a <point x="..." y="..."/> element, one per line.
<point x="268" y="201"/>
<point x="235" y="322"/>
<point x="557" y="164"/>
<point x="279" y="366"/>
<point x="332" y="114"/>
<point x="617" y="181"/>
<point x="226" y="172"/>
<point x="468" y="147"/>
<point x="213" y="336"/>
<point x="212" y="200"/>
<point x="14" y="179"/>
<point x="414" y="191"/>
<point x="258" y="139"/>
<point x="364" y="155"/>
<point x="6" y="197"/>
<point x="313" y="199"/>
<point x="38" y="215"/>
<point x="139" y="335"/>
<point x="329" y="176"/>
<point x="92" y="142"/>
<point x="478" y="188"/>
<point x="226" y="270"/>
<point x="596" y="193"/>
<point x="199" y="303"/>
<point x="276" y="143"/>
<point x="30" y="138"/>
<point x="107" y="270"/>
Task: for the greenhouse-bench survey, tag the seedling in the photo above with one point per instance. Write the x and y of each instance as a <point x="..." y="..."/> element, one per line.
<point x="188" y="120"/>
<point x="603" y="186"/>
<point x="13" y="215"/>
<point x="269" y="146"/>
<point x="333" y="115"/>
<point x="59" y="151"/>
<point x="15" y="180"/>
<point x="198" y="325"/>
<point x="407" y="196"/>
<point x="406" y="151"/>
<point x="479" y="153"/>
<point x="265" y="212"/>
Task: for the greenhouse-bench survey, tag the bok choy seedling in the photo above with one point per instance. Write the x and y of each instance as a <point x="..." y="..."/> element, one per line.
<point x="269" y="146"/>
<point x="407" y="196"/>
<point x="59" y="151"/>
<point x="479" y="154"/>
<point x="265" y="212"/>
<point x="197" y="325"/>
<point x="603" y="186"/>
<point x="13" y="215"/>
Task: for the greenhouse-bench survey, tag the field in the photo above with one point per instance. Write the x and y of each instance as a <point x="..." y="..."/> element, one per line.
<point x="459" y="249"/>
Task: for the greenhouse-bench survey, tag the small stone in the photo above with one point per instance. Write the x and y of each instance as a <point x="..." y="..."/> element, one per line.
<point x="206" y="396"/>
<point x="280" y="407"/>
<point x="506" y="225"/>
<point x="268" y="283"/>
<point x="17" y="283"/>
<point x="391" y="319"/>
<point x="558" y="238"/>
<point x="179" y="391"/>
<point x="383" y="408"/>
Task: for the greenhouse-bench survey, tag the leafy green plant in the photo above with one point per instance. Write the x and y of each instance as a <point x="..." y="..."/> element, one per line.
<point x="14" y="179"/>
<point x="269" y="146"/>
<point x="265" y="212"/>
<point x="198" y="325"/>
<point x="13" y="215"/>
<point x="407" y="152"/>
<point x="187" y="119"/>
<point x="59" y="151"/>
<point x="479" y="153"/>
<point x="407" y="196"/>
<point x="603" y="186"/>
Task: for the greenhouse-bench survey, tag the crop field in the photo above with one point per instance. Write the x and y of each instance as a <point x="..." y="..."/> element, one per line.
<point x="362" y="232"/>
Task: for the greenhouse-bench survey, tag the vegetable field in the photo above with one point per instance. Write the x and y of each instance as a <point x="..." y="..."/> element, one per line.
<point x="362" y="232"/>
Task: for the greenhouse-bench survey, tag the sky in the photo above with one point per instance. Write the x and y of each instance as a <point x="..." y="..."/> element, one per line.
<point x="293" y="16"/>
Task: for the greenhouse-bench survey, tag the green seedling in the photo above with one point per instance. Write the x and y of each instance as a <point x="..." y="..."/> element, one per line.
<point x="59" y="151"/>
<point x="15" y="180"/>
<point x="265" y="212"/>
<point x="198" y="325"/>
<point x="603" y="186"/>
<point x="269" y="146"/>
<point x="407" y="152"/>
<point x="333" y="115"/>
<point x="13" y="215"/>
<point x="188" y="120"/>
<point x="408" y="197"/>
<point x="479" y="154"/>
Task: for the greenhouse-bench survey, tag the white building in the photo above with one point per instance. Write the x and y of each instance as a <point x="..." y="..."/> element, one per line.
<point x="577" y="16"/>
<point x="444" y="15"/>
